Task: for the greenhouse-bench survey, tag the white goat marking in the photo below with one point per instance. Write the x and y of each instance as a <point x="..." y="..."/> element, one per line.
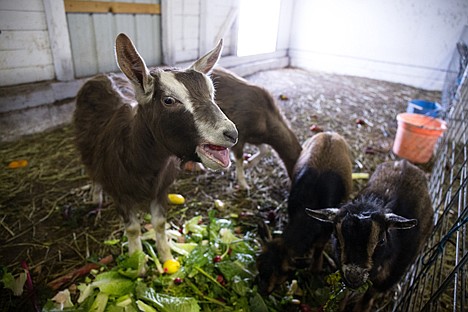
<point x="173" y="87"/>
<point x="210" y="85"/>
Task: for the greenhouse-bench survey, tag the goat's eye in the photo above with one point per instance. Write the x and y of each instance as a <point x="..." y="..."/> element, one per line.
<point x="169" y="100"/>
<point x="381" y="242"/>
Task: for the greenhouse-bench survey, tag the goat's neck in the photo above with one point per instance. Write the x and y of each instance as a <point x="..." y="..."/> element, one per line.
<point x="288" y="148"/>
<point x="147" y="150"/>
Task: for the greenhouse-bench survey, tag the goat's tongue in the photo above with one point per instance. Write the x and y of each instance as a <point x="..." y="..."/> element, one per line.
<point x="219" y="153"/>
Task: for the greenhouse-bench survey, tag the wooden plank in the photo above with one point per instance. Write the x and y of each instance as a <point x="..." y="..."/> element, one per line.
<point x="22" y="40"/>
<point x="104" y="30"/>
<point x="168" y="35"/>
<point x="145" y="38"/>
<point x="190" y="32"/>
<point x="21" y="5"/>
<point x="59" y="39"/>
<point x="25" y="58"/>
<point x="16" y="20"/>
<point x="126" y="23"/>
<point x="76" y="6"/>
<point x="82" y="44"/>
<point x="14" y="76"/>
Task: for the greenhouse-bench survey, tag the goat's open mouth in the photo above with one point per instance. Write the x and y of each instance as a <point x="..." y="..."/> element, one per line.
<point x="214" y="156"/>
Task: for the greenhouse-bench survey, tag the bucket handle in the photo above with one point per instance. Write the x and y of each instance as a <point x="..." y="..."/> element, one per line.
<point x="438" y="108"/>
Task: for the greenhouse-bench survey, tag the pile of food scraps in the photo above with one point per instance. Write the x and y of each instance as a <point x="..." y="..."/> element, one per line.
<point x="213" y="270"/>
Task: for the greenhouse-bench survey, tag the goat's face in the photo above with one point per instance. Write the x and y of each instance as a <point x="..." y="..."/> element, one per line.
<point x="184" y="116"/>
<point x="178" y="106"/>
<point x="361" y="240"/>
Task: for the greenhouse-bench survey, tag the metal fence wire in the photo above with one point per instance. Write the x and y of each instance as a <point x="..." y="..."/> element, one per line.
<point x="438" y="281"/>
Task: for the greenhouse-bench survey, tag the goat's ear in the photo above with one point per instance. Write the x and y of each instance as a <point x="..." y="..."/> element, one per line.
<point x="206" y="63"/>
<point x="264" y="232"/>
<point x="325" y="215"/>
<point x="394" y="221"/>
<point x="132" y="64"/>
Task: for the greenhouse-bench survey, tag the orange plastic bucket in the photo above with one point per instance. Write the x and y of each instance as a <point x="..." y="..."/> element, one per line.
<point x="416" y="136"/>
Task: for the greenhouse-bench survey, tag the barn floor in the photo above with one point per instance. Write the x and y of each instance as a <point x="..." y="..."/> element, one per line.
<point x="46" y="223"/>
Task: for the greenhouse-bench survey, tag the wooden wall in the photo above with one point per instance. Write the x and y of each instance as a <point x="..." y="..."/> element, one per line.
<point x="92" y="38"/>
<point x="48" y="49"/>
<point x="25" y="53"/>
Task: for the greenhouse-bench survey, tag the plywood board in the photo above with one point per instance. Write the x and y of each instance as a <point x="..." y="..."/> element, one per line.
<point x="73" y="6"/>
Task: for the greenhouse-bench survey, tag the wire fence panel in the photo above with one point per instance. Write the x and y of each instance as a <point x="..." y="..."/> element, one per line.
<point x="438" y="281"/>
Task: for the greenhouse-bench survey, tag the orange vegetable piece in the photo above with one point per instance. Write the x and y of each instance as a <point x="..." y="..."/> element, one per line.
<point x="18" y="164"/>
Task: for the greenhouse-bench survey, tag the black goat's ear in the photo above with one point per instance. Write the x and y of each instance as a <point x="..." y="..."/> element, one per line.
<point x="264" y="232"/>
<point x="394" y="221"/>
<point x="325" y="215"/>
<point x="206" y="63"/>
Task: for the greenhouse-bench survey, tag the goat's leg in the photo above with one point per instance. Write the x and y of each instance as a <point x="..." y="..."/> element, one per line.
<point x="241" y="181"/>
<point x="317" y="259"/>
<point x="133" y="229"/>
<point x="158" y="220"/>
<point x="238" y="151"/>
<point x="255" y="158"/>
<point x="366" y="303"/>
<point x="97" y="194"/>
<point x="97" y="198"/>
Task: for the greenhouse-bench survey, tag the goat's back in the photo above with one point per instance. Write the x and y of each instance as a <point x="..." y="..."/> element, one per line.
<point x="251" y="107"/>
<point x="256" y="115"/>
<point x="322" y="179"/>
<point x="402" y="189"/>
<point x="100" y="101"/>
<point x="405" y="183"/>
<point x="325" y="161"/>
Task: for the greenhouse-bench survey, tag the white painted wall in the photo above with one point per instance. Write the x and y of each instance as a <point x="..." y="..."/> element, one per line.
<point x="25" y="53"/>
<point x="405" y="41"/>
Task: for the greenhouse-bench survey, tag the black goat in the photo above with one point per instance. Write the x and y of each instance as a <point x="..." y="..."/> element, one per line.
<point x="322" y="178"/>
<point x="379" y="234"/>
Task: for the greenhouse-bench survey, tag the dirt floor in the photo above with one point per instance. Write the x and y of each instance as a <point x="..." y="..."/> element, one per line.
<point x="47" y="225"/>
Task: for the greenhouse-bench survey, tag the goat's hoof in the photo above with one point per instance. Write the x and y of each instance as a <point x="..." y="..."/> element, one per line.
<point x="243" y="187"/>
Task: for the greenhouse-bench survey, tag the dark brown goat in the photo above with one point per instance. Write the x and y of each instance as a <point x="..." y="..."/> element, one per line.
<point x="322" y="178"/>
<point x="258" y="120"/>
<point x="379" y="234"/>
<point x="132" y="134"/>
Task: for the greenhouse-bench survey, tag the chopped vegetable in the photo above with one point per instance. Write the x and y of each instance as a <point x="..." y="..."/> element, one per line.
<point x="171" y="266"/>
<point x="360" y="175"/>
<point x="315" y="128"/>
<point x="215" y="271"/>
<point x="14" y="284"/>
<point x="18" y="164"/>
<point x="63" y="300"/>
<point x="176" y="199"/>
<point x="219" y="204"/>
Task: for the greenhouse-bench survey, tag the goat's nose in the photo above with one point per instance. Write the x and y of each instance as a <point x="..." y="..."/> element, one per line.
<point x="354" y="276"/>
<point x="231" y="135"/>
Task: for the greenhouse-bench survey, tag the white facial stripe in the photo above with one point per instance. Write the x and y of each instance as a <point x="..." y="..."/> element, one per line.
<point x="210" y="85"/>
<point x="209" y="132"/>
<point x="173" y="87"/>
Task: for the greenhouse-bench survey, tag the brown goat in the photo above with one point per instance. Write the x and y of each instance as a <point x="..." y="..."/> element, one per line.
<point x="322" y="178"/>
<point x="379" y="234"/>
<point x="258" y="120"/>
<point x="133" y="133"/>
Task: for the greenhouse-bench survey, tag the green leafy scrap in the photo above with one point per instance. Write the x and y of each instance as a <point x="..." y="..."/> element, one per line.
<point x="217" y="274"/>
